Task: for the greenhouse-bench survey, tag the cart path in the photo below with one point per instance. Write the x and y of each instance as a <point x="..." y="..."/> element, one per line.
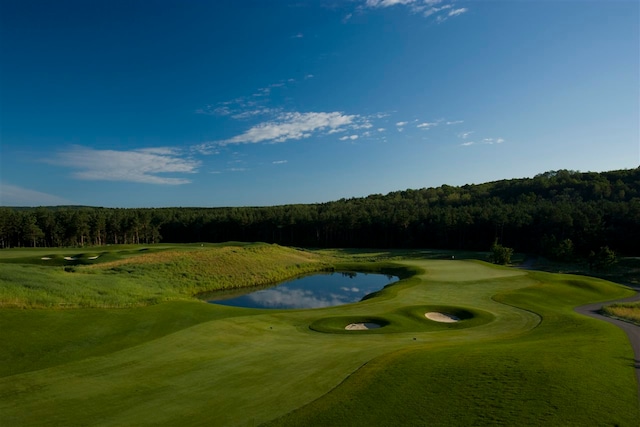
<point x="632" y="331"/>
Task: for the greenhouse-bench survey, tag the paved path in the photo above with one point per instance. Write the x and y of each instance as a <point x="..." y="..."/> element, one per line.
<point x="633" y="331"/>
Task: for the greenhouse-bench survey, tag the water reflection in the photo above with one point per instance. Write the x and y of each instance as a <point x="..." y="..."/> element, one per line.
<point x="319" y="290"/>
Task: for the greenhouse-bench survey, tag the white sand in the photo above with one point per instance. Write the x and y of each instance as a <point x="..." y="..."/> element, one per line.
<point x="361" y="326"/>
<point x="45" y="258"/>
<point x="441" y="317"/>
<point x="94" y="257"/>
<point x="70" y="258"/>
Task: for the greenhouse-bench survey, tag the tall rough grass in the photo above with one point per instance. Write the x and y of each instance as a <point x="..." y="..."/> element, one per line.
<point x="153" y="277"/>
<point x="628" y="311"/>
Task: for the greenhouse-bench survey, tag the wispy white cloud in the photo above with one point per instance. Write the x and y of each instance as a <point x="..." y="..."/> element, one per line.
<point x="294" y="126"/>
<point x="381" y="129"/>
<point x="298" y="36"/>
<point x="465" y="135"/>
<point x="252" y="113"/>
<point x="280" y="162"/>
<point x="434" y="10"/>
<point x="439" y="10"/>
<point x="484" y="141"/>
<point x="387" y="3"/>
<point x="212" y="110"/>
<point x="141" y="166"/>
<point x="455" y="122"/>
<point x="13" y="195"/>
<point x="205" y="149"/>
<point x="456" y="12"/>
<point x="351" y="137"/>
<point x="427" y="125"/>
<point x="401" y="124"/>
<point x="256" y="104"/>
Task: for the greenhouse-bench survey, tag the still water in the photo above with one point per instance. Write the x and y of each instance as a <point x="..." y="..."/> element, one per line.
<point x="318" y="290"/>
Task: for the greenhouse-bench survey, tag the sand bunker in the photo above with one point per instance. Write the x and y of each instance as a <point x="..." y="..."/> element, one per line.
<point x="441" y="317"/>
<point x="94" y="257"/>
<point x="361" y="326"/>
<point x="45" y="258"/>
<point x="70" y="258"/>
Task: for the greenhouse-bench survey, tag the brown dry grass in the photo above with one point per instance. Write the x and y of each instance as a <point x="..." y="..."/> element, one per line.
<point x="629" y="312"/>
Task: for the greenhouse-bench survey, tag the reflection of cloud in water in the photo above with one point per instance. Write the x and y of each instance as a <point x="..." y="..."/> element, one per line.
<point x="354" y="289"/>
<point x="284" y="297"/>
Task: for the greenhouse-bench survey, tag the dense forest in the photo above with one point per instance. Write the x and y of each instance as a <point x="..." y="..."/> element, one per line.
<point x="558" y="214"/>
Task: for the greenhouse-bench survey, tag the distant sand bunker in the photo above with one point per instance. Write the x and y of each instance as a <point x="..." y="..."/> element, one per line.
<point x="45" y="258"/>
<point x="70" y="258"/>
<point x="361" y="326"/>
<point x="441" y="317"/>
<point x="94" y="257"/>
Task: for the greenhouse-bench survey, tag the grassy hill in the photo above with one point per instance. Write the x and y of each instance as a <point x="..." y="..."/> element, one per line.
<point x="136" y="276"/>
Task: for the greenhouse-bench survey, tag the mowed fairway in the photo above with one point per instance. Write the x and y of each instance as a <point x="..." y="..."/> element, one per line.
<point x="520" y="357"/>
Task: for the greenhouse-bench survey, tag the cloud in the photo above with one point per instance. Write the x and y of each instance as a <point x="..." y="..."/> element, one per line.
<point x="438" y="9"/>
<point x="387" y="3"/>
<point x="244" y="107"/>
<point x="210" y="110"/>
<point x="465" y="135"/>
<point x="298" y="36"/>
<point x="455" y="122"/>
<point x="251" y="113"/>
<point x="435" y="10"/>
<point x="13" y="195"/>
<point x="206" y="149"/>
<point x="293" y="126"/>
<point x="400" y="124"/>
<point x="280" y="162"/>
<point x="484" y="141"/>
<point x="351" y="137"/>
<point x="427" y="125"/>
<point x="457" y="12"/>
<point x="140" y="166"/>
<point x="381" y="129"/>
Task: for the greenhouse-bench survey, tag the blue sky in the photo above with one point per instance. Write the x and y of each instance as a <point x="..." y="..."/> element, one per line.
<point x="255" y="103"/>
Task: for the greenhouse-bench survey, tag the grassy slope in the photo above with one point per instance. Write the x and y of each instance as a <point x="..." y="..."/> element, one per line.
<point x="131" y="277"/>
<point x="189" y="363"/>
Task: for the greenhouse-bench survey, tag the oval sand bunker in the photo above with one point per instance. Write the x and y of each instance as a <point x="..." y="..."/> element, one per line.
<point x="361" y="326"/>
<point x="441" y="317"/>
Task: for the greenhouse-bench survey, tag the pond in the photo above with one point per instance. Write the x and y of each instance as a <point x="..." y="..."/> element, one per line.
<point x="318" y="290"/>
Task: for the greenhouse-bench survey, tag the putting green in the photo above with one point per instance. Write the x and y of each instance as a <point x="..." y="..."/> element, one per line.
<point x="246" y="367"/>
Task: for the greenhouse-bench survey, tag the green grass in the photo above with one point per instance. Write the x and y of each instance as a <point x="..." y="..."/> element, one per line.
<point x="520" y="355"/>
<point x="138" y="276"/>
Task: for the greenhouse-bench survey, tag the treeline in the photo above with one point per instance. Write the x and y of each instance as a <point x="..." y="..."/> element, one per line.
<point x="558" y="213"/>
